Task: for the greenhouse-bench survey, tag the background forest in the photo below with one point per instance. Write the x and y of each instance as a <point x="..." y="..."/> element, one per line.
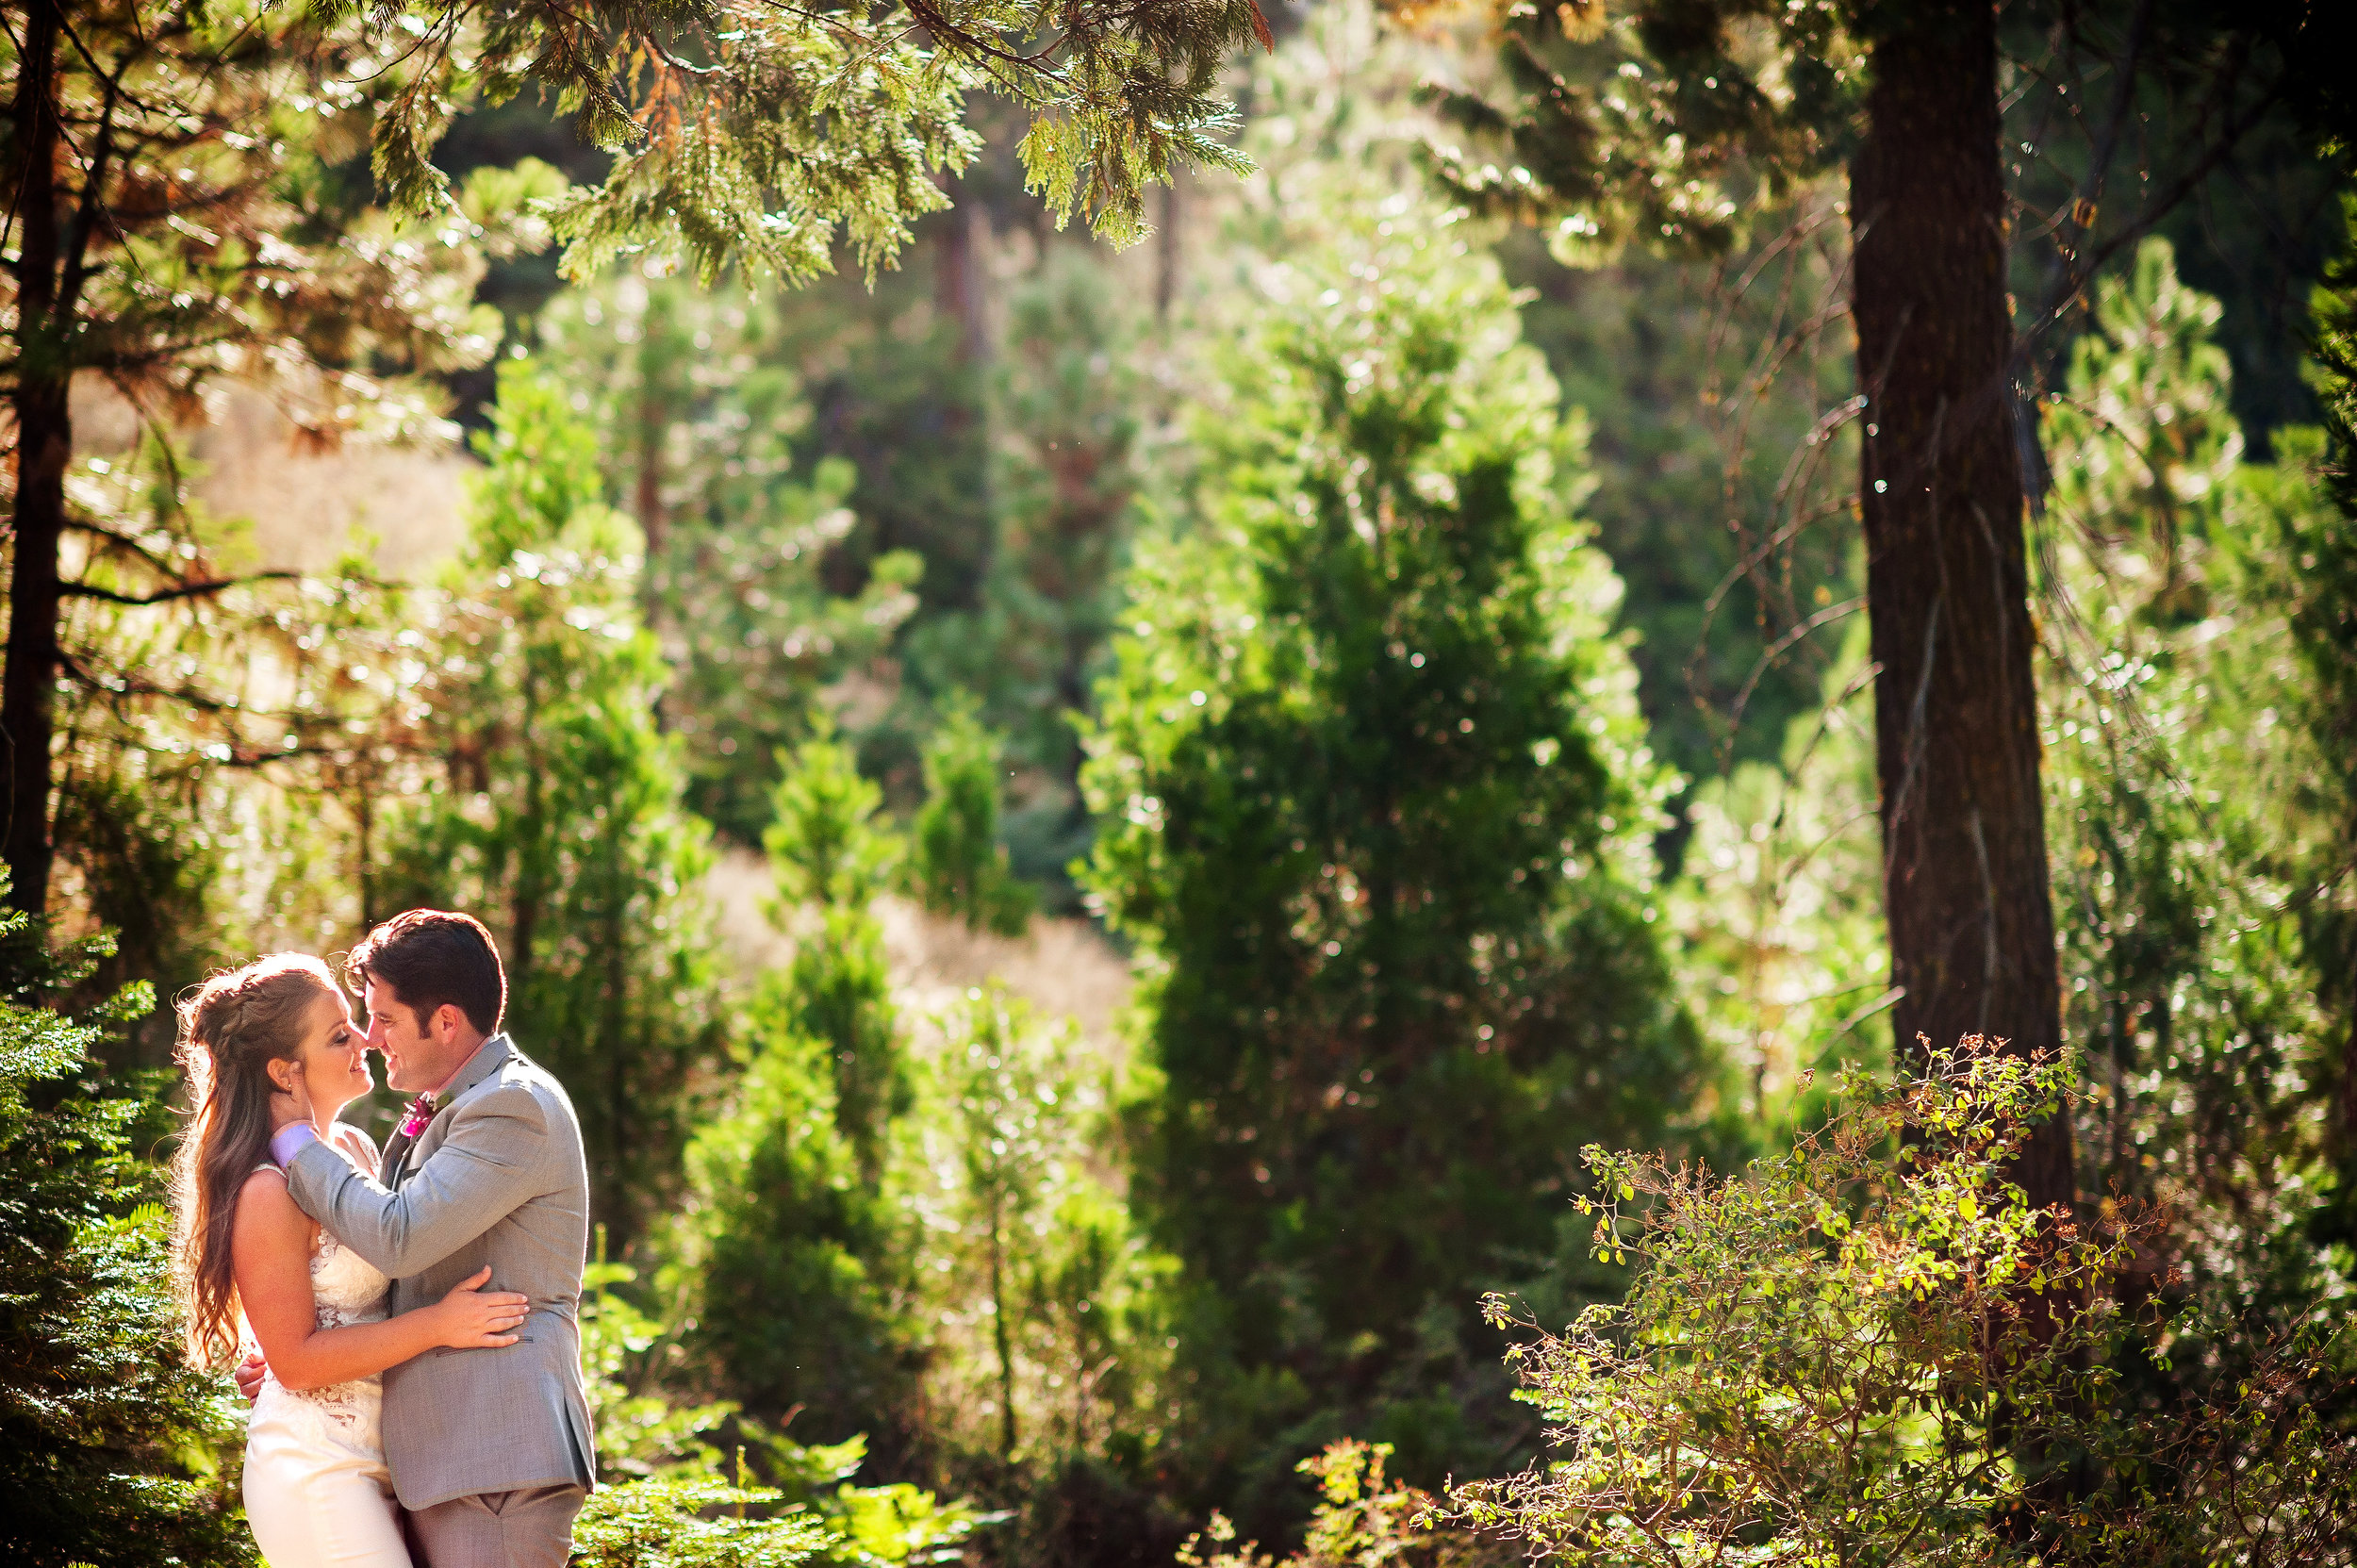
<point x="1154" y="868"/>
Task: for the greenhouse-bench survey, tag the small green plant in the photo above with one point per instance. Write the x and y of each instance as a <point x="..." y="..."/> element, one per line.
<point x="1041" y="1285"/>
<point x="1363" y="1518"/>
<point x="705" y="1486"/>
<point x="690" y="1524"/>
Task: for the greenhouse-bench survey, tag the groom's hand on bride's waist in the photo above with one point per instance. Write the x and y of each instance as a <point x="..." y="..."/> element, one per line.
<point x="250" y="1373"/>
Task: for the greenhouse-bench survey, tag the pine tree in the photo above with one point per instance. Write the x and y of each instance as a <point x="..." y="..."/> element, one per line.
<point x="704" y="426"/>
<point x="752" y="136"/>
<point x="799" y="1250"/>
<point x="1066" y="426"/>
<point x="1376" y="807"/>
<point x="558" y="815"/>
<point x="956" y="863"/>
<point x="99" y="1408"/>
<point x="1673" y="122"/>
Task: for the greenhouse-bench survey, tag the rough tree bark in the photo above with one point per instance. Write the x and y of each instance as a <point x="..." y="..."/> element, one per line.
<point x="44" y="444"/>
<point x="1956" y="708"/>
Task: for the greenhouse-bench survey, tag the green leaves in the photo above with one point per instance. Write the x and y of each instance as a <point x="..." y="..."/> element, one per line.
<point x="1839" y="1357"/>
<point x="561" y="812"/>
<point x="105" y="1424"/>
<point x="755" y="135"/>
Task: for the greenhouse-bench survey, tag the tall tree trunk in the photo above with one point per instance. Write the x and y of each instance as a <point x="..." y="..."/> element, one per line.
<point x="958" y="283"/>
<point x="1955" y="709"/>
<point x="44" y="445"/>
<point x="1168" y="252"/>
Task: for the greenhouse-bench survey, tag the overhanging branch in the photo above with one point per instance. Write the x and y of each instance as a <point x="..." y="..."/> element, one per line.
<point x="166" y="596"/>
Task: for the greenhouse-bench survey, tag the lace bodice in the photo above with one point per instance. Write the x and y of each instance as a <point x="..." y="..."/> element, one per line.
<point x="346" y="1289"/>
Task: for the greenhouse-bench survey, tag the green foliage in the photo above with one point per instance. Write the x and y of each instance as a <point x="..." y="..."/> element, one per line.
<point x="559" y="819"/>
<point x="799" y="1262"/>
<point x="1363" y="1518"/>
<point x="1778" y="912"/>
<point x="699" y="406"/>
<point x="800" y="1251"/>
<point x="246" y="111"/>
<point x="1659" y="125"/>
<point x="1725" y="461"/>
<point x="1043" y="1294"/>
<point x="956" y="863"/>
<point x="832" y="862"/>
<point x="1870" y="1347"/>
<point x="2196" y="819"/>
<point x="670" y="1463"/>
<point x="664" y="1524"/>
<point x="825" y="847"/>
<point x="1376" y="808"/>
<point x="756" y="137"/>
<point x="106" y="1432"/>
<point x="2318" y="594"/>
<point x="1066" y="415"/>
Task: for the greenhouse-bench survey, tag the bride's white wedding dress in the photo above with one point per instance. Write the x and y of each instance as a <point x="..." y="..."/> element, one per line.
<point x="317" y="1492"/>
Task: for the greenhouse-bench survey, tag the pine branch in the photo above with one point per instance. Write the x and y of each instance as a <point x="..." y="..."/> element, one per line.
<point x="166" y="596"/>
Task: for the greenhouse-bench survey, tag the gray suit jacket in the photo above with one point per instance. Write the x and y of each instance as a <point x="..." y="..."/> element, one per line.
<point x="496" y="1177"/>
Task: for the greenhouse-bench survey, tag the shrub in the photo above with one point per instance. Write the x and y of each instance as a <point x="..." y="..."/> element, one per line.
<point x="105" y="1426"/>
<point x="1872" y="1349"/>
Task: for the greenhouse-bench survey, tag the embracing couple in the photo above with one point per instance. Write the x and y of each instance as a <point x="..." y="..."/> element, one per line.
<point x="417" y="1394"/>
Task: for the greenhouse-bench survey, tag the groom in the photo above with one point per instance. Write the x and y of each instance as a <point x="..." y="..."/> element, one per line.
<point x="490" y="1449"/>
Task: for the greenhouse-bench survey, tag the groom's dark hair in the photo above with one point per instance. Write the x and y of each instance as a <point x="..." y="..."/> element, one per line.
<point x="433" y="958"/>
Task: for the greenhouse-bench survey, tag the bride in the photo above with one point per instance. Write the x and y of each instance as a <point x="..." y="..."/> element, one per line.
<point x="317" y="1491"/>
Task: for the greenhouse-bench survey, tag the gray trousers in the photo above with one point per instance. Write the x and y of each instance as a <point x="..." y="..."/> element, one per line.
<point x="532" y="1528"/>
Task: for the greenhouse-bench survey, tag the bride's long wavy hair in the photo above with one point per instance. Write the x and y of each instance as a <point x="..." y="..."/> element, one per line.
<point x="232" y="1028"/>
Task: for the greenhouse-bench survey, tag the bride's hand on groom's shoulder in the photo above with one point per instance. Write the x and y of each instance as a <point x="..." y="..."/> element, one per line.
<point x="472" y="1318"/>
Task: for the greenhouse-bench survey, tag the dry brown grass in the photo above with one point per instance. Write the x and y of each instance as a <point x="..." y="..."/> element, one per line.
<point x="1062" y="966"/>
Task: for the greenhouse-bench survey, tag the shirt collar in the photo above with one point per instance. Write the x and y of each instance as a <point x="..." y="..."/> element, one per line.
<point x="474" y="1069"/>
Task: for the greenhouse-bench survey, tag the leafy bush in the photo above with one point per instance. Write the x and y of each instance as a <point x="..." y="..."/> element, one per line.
<point x="705" y="1484"/>
<point x="666" y="1524"/>
<point x="797" y="1249"/>
<point x="1870" y="1349"/>
<point x="1043" y="1293"/>
<point x="105" y="1431"/>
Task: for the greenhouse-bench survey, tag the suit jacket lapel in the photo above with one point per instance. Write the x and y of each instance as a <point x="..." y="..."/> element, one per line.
<point x="388" y="1164"/>
<point x="481" y="1064"/>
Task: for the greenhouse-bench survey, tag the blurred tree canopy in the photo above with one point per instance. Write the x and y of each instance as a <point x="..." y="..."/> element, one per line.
<point x="560" y="805"/>
<point x="176" y="222"/>
<point x="1091" y="832"/>
<point x="1689" y="124"/>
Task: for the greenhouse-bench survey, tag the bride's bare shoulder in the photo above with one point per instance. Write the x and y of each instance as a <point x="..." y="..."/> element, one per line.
<point x="265" y="1208"/>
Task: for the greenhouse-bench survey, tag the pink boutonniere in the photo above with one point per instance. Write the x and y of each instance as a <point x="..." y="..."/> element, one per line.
<point x="419" y="1113"/>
